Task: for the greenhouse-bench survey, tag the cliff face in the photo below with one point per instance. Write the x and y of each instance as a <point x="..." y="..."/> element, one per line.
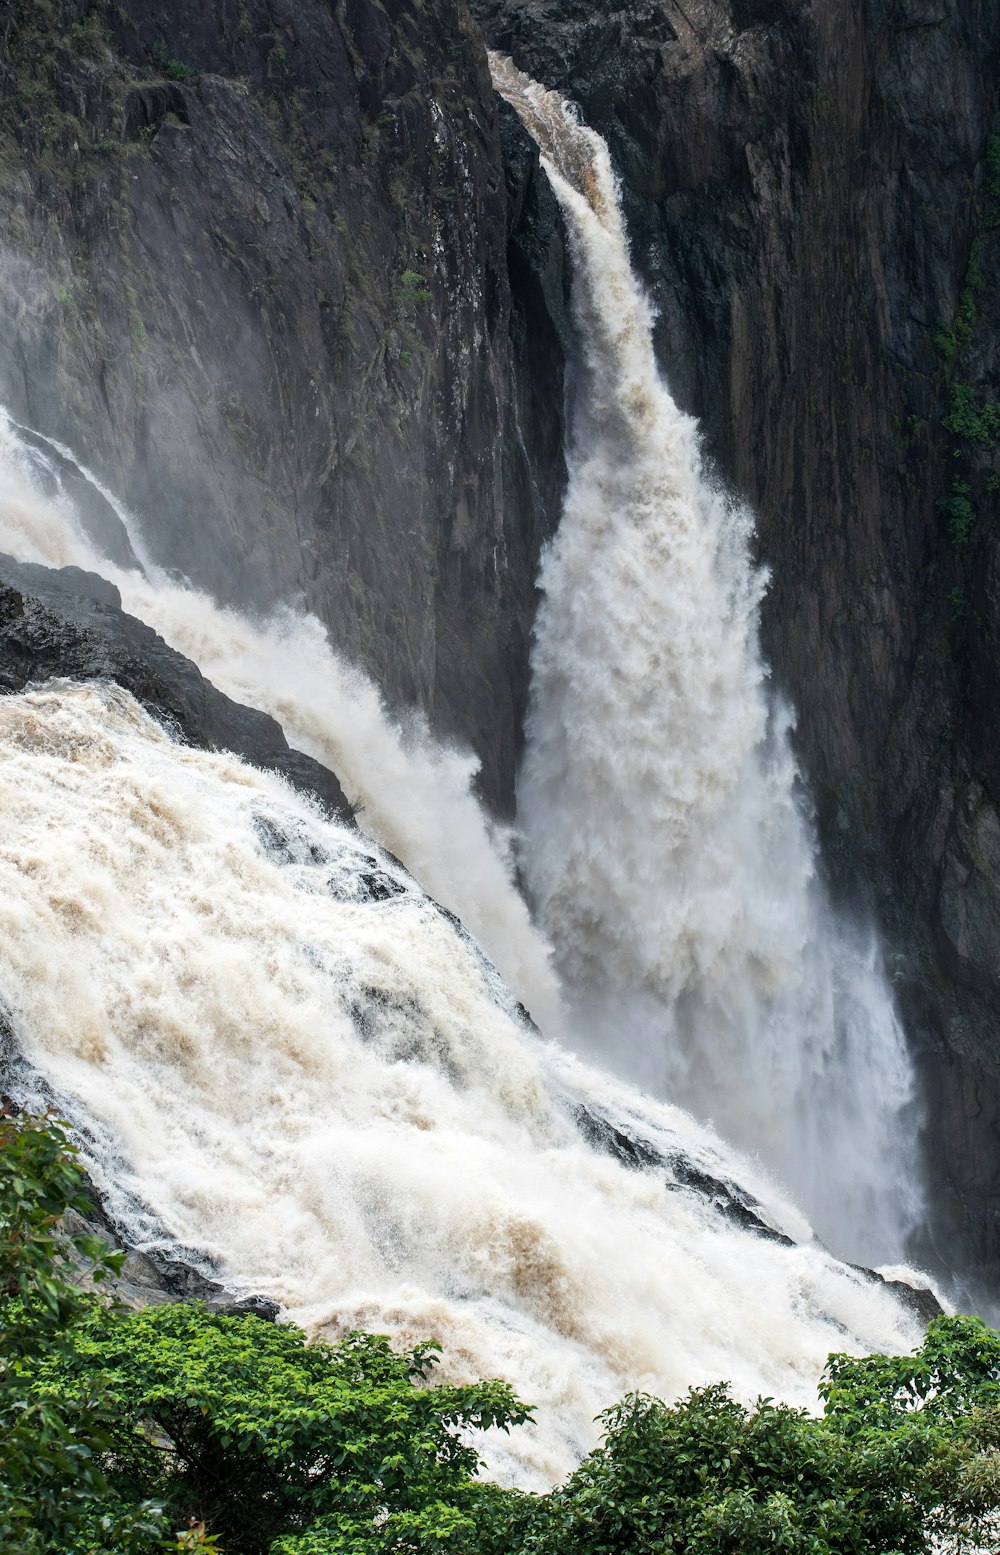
<point x="287" y="276"/>
<point x="255" y="270"/>
<point x="813" y="192"/>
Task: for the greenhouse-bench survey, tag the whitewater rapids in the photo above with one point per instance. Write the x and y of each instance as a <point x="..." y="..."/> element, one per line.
<point x="287" y="1063"/>
<point x="283" y="1055"/>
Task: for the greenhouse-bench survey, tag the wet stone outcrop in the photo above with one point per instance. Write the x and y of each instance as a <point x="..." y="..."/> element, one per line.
<point x="288" y="277"/>
<point x="735" y="1206"/>
<point x="68" y="624"/>
<point x="813" y="197"/>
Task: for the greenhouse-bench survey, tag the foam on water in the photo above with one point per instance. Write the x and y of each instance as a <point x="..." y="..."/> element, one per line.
<point x="284" y="1055"/>
<point x="413" y="794"/>
<point x="285" y="1060"/>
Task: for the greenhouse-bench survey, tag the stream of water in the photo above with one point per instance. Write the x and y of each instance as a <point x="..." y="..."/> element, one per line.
<point x="666" y="850"/>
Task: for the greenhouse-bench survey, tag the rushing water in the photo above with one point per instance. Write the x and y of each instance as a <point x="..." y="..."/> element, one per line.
<point x="287" y="1058"/>
<point x="665" y="849"/>
<point x="414" y="795"/>
<point x="288" y="1063"/>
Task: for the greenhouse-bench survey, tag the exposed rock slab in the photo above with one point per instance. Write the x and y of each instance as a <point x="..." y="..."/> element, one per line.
<point x="67" y="623"/>
<point x="255" y="272"/>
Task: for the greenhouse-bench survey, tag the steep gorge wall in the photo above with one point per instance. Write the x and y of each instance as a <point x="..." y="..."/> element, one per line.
<point x="287" y="276"/>
<point x="813" y="192"/>
<point x="254" y="269"/>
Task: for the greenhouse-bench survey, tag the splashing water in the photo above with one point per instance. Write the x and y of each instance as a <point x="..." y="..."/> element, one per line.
<point x="414" y="795"/>
<point x="283" y="1054"/>
<point x="665" y="852"/>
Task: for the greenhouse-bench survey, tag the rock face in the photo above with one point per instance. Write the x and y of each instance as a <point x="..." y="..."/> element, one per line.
<point x="254" y="265"/>
<point x="813" y="193"/>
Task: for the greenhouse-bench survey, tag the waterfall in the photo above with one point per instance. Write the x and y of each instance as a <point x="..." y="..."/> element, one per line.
<point x="284" y="1059"/>
<point x="286" y="1063"/>
<point x="665" y="850"/>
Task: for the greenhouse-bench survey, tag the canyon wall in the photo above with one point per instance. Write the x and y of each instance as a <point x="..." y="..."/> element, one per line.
<point x="254" y="261"/>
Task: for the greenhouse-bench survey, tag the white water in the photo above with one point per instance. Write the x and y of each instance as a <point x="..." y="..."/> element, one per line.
<point x="414" y="795"/>
<point x="664" y="847"/>
<point x="333" y="1097"/>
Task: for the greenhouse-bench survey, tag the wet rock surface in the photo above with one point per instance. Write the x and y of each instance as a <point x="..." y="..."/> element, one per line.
<point x="288" y="277"/>
<point x="68" y="623"/>
<point x="255" y="274"/>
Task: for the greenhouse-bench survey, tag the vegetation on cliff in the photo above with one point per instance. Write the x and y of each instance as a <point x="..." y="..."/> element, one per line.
<point x="125" y="1432"/>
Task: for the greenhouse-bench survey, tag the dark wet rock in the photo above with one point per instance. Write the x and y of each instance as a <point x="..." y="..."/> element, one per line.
<point x="100" y="523"/>
<point x="725" y="1197"/>
<point x="287" y="276"/>
<point x="681" y="1172"/>
<point x="917" y="1298"/>
<point x="356" y="876"/>
<point x="154" y="1277"/>
<point x="69" y="624"/>
<point x="163" y="1271"/>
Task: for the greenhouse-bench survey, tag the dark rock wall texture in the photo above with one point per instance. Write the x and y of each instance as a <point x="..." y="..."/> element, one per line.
<point x="253" y="265"/>
<point x="288" y="276"/>
<point x="813" y="194"/>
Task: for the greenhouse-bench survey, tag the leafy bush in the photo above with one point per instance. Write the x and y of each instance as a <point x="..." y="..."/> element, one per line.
<point x="968" y="419"/>
<point x="958" y="511"/>
<point x="906" y="1459"/>
<point x="173" y="69"/>
<point x="117" y="1427"/>
<point x="53" y="1493"/>
<point x="241" y="1423"/>
<point x="953" y="339"/>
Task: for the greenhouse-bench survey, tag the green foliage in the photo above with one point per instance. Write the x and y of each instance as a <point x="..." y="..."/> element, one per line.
<point x="412" y="289"/>
<point x="89" y="36"/>
<point x="958" y="511"/>
<point x="710" y="1478"/>
<point x="992" y="217"/>
<point x="955" y="1371"/>
<point x="952" y="340"/>
<point x="172" y="68"/>
<point x="117" y="1426"/>
<point x="53" y="1493"/>
<point x="905" y="1460"/>
<point x="970" y="420"/>
<point x="241" y="1423"/>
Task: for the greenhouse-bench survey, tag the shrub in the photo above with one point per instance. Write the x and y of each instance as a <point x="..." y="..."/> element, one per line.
<point x="117" y="1427"/>
<point x="53" y="1492"/>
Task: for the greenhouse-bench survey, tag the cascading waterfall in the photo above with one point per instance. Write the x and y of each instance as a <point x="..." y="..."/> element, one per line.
<point x="286" y="1061"/>
<point x="664" y="849"/>
<point x="282" y="1055"/>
